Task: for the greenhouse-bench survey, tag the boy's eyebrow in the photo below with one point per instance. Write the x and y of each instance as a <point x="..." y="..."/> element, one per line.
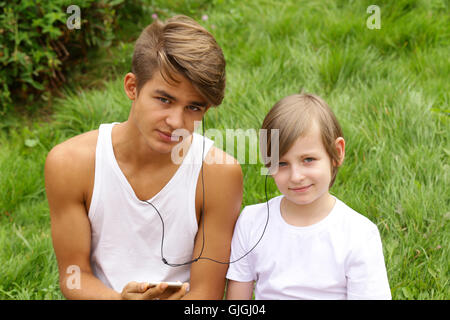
<point x="166" y="95"/>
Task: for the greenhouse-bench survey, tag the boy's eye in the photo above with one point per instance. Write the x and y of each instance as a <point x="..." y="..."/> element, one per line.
<point x="163" y="100"/>
<point x="194" y="108"/>
<point x="282" y="164"/>
<point x="308" y="160"/>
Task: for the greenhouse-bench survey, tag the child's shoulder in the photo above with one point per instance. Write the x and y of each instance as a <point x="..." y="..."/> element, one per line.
<point x="351" y="219"/>
<point x="258" y="211"/>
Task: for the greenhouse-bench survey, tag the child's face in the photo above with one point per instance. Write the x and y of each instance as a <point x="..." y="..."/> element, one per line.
<point x="304" y="172"/>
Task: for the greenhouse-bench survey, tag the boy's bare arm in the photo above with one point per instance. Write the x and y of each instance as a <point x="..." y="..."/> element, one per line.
<point x="68" y="169"/>
<point x="223" y="199"/>
<point x="66" y="173"/>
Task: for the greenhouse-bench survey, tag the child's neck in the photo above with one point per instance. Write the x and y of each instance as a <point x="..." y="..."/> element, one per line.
<point x="308" y="214"/>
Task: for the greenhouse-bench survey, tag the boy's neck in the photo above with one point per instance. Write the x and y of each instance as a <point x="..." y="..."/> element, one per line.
<point x="309" y="214"/>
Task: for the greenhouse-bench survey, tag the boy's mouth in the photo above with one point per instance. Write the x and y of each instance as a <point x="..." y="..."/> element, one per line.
<point x="167" y="136"/>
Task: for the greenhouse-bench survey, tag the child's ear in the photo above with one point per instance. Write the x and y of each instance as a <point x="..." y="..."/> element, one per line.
<point x="340" y="147"/>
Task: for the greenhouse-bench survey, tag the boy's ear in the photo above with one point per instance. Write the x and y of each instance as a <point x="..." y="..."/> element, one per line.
<point x="130" y="85"/>
<point x="340" y="147"/>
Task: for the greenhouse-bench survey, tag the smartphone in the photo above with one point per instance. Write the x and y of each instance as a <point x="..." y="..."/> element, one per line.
<point x="173" y="285"/>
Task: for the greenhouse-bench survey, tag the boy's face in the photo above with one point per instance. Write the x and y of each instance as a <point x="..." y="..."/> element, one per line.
<point x="304" y="172"/>
<point x="162" y="111"/>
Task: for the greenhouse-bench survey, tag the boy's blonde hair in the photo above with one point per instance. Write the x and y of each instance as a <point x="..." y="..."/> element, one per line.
<point x="181" y="46"/>
<point x="293" y="116"/>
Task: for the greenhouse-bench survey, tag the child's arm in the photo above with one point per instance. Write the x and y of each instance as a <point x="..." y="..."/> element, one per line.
<point x="239" y="290"/>
<point x="241" y="271"/>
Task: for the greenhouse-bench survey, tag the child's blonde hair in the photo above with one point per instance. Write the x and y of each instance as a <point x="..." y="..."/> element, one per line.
<point x="293" y="116"/>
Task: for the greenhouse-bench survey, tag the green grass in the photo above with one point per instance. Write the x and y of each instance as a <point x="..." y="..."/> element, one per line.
<point x="389" y="88"/>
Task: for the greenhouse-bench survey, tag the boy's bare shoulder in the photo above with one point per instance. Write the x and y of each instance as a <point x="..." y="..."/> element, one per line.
<point x="75" y="154"/>
<point x="220" y="164"/>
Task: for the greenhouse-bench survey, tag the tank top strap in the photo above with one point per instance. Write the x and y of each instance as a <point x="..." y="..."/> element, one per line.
<point x="101" y="158"/>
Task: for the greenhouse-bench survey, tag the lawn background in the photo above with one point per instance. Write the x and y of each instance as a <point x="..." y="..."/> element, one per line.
<point x="389" y="88"/>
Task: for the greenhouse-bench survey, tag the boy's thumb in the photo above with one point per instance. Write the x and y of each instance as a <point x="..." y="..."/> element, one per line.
<point x="143" y="287"/>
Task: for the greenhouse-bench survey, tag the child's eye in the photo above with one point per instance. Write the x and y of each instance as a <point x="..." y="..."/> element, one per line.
<point x="308" y="160"/>
<point x="282" y="164"/>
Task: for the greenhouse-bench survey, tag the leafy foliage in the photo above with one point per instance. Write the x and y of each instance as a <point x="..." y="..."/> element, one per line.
<point x="37" y="47"/>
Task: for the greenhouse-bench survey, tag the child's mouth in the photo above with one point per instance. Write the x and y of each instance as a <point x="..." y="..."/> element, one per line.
<point x="301" y="189"/>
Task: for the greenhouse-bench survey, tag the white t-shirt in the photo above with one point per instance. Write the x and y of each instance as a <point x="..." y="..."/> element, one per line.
<point x="340" y="257"/>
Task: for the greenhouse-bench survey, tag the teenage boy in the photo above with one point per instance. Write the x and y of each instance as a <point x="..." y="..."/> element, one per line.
<point x="121" y="208"/>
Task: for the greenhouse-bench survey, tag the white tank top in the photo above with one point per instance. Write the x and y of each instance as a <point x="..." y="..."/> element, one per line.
<point x="126" y="232"/>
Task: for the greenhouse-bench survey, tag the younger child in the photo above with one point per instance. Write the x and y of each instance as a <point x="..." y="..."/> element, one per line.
<point x="314" y="245"/>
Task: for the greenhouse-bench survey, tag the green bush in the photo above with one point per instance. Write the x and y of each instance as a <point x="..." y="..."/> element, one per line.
<point x="37" y="47"/>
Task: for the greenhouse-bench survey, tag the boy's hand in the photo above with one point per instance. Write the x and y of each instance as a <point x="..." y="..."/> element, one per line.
<point x="142" y="291"/>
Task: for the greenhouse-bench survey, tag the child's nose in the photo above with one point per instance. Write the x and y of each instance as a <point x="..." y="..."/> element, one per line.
<point x="297" y="174"/>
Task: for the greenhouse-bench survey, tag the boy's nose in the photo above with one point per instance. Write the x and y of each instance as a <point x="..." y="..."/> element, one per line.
<point x="175" y="119"/>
